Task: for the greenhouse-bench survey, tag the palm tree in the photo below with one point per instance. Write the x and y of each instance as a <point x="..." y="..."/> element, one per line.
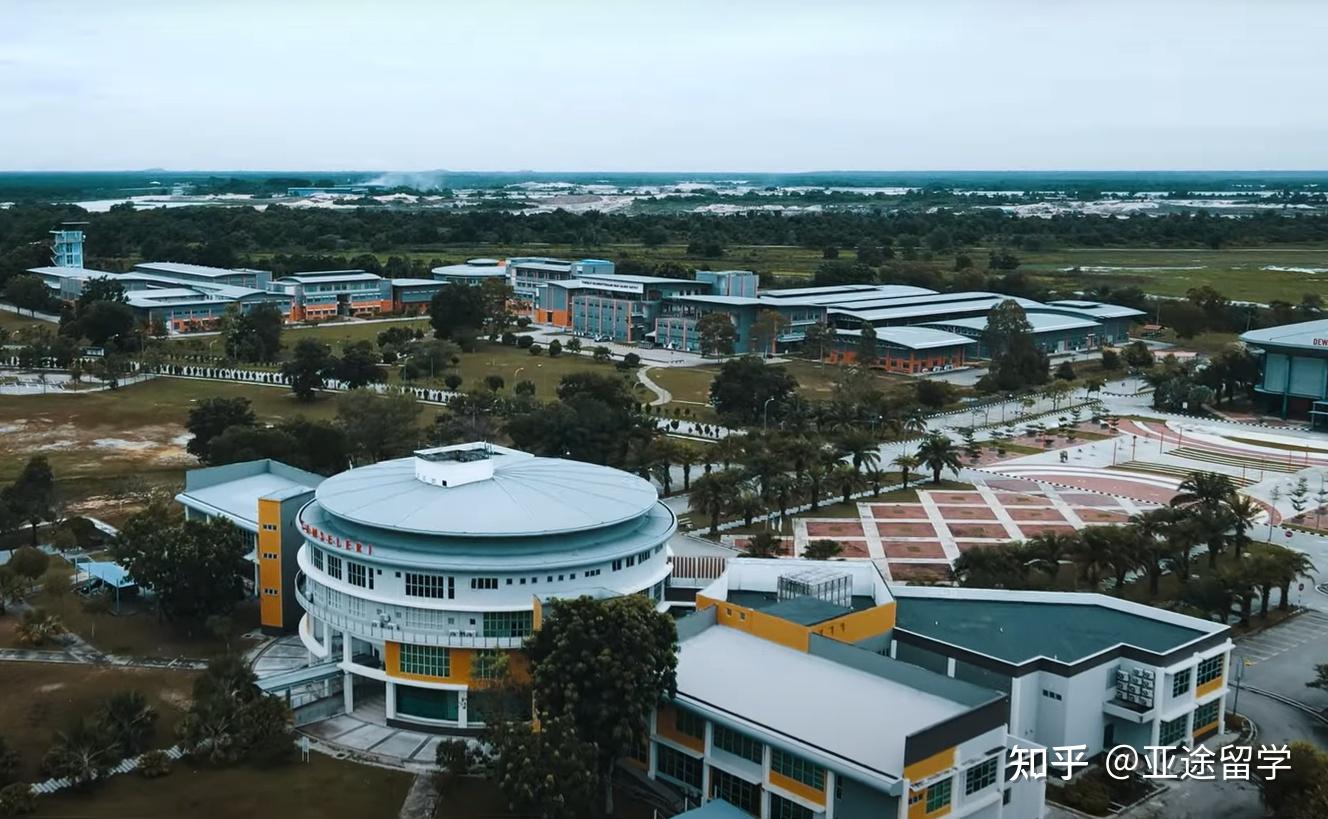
<point x="762" y="463"/>
<point x="12" y="587"/>
<point x="1049" y="548"/>
<point x="1207" y="489"/>
<point x="81" y="754"/>
<point x="1183" y="534"/>
<point x="782" y="489"/>
<point x="1093" y="554"/>
<point x="816" y="474"/>
<point x="906" y="464"/>
<point x="1001" y="566"/>
<point x="710" y="495"/>
<point x="1293" y="565"/>
<point x="1243" y="510"/>
<point x="1125" y="553"/>
<point x="916" y="423"/>
<point x="799" y="452"/>
<point x="875" y="478"/>
<point x="687" y="458"/>
<point x="729" y="450"/>
<point x="822" y="549"/>
<point x="764" y="544"/>
<point x="127" y="719"/>
<point x="37" y="627"/>
<point x="1238" y="587"/>
<point x="748" y="504"/>
<point x="1264" y="570"/>
<point x="1154" y="551"/>
<point x="859" y="446"/>
<point x="846" y="479"/>
<point x="937" y="452"/>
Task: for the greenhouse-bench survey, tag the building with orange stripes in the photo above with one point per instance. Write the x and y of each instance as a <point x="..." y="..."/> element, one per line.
<point x="817" y="689"/>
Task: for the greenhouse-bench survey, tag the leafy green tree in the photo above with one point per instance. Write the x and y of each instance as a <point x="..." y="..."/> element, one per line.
<point x="17" y="799"/>
<point x="195" y="568"/>
<point x="867" y="353"/>
<point x="818" y="340"/>
<point x="458" y="313"/>
<point x="379" y="426"/>
<point x="764" y="544"/>
<point x="254" y="335"/>
<point x="743" y="386"/>
<point x="29" y="563"/>
<point x="37" y="627"/>
<point x="766" y="330"/>
<point x="716" y="334"/>
<point x="231" y="720"/>
<point x="1302" y="791"/>
<point x="31" y="497"/>
<point x="1016" y="362"/>
<point x="552" y="773"/>
<point x="358" y="365"/>
<point x="309" y="368"/>
<point x="604" y="665"/>
<point x="430" y="357"/>
<point x="211" y="417"/>
<point x="27" y="292"/>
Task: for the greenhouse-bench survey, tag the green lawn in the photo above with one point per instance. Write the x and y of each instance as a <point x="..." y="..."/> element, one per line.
<point x="42" y="698"/>
<point x="514" y="365"/>
<point x="691" y="385"/>
<point x="334" y="334"/>
<point x="322" y="788"/>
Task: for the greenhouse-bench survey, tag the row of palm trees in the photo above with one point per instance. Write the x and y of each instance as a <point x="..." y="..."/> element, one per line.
<point x="762" y="473"/>
<point x="1206" y="512"/>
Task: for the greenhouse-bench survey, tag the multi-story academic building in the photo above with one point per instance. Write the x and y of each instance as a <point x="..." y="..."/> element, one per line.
<point x="1293" y="369"/>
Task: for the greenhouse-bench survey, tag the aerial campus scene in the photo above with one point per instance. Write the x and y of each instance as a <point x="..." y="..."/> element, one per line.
<point x="506" y="409"/>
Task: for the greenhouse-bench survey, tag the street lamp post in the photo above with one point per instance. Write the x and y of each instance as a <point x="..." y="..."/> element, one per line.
<point x="765" y="413"/>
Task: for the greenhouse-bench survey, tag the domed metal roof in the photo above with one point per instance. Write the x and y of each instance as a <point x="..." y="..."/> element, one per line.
<point x="524" y="496"/>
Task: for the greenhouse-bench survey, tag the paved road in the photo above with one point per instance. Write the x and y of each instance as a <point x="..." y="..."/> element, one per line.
<point x="1280" y="660"/>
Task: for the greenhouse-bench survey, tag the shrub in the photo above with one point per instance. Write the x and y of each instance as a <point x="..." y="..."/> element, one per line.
<point x="534" y="349"/>
<point x="452" y="381"/>
<point x="154" y="764"/>
<point x="17" y="800"/>
<point x="524" y="341"/>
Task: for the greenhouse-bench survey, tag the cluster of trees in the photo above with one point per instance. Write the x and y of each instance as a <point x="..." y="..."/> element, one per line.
<point x="1207" y="512"/>
<point x="1190" y="385"/>
<point x="227" y="236"/>
<point x="31" y="499"/>
<point x="1016" y="361"/>
<point x="231" y="720"/>
<point x="369" y="427"/>
<point x="763" y="473"/>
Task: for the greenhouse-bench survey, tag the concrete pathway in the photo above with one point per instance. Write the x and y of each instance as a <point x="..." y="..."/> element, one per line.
<point x="662" y="396"/>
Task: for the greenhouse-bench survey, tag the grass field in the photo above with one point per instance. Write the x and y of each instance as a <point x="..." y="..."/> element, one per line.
<point x="322" y="788"/>
<point x="13" y="321"/>
<point x="106" y="443"/>
<point x="42" y="698"/>
<point x="334" y="334"/>
<point x="1247" y="274"/>
<point x="691" y="385"/>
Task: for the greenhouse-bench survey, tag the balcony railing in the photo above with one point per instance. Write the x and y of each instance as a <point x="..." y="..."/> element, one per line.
<point x="313" y="598"/>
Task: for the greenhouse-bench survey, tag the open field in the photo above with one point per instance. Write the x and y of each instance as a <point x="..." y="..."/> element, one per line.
<point x="1249" y="274"/>
<point x="110" y="442"/>
<point x="322" y="788"/>
<point x="691" y="385"/>
<point x="334" y="334"/>
<point x="42" y="698"/>
<point x="13" y="321"/>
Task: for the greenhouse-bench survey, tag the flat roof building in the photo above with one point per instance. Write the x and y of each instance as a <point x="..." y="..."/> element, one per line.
<point x="474" y="272"/>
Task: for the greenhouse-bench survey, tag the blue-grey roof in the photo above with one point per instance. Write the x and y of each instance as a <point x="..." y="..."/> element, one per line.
<point x="1097" y="309"/>
<point x="913" y="338"/>
<point x="1040" y="322"/>
<point x="714" y="809"/>
<point x="526" y="496"/>
<point x="1306" y="335"/>
<point x="1020" y="630"/>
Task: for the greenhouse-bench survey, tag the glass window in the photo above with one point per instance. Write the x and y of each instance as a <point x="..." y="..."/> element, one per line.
<point x="980" y="776"/>
<point x="938" y="795"/>
<point x="1171" y="732"/>
<point x="797" y="769"/>
<point x="1206" y="714"/>
<point x="431" y="661"/>
<point x="508" y="623"/>
<point x="318" y="558"/>
<point x="1180" y="684"/>
<point x="738" y="744"/>
<point x="740" y="793"/>
<point x="678" y="766"/>
<point x="1210" y="669"/>
<point x="334" y="566"/>
<point x="357" y="574"/>
<point x="689" y="723"/>
<point x="781" y="808"/>
<point x="427" y="585"/>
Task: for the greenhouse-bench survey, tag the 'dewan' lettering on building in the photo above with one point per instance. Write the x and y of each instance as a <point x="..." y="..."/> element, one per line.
<point x="1293" y="369"/>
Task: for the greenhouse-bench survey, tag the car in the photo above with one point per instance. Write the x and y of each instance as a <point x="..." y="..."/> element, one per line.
<point x="603" y="337"/>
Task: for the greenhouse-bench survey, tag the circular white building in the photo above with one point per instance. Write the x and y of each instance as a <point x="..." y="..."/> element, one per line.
<point x="417" y="573"/>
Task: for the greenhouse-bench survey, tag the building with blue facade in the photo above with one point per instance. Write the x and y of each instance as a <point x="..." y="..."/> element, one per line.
<point x="473" y="273"/>
<point x="67" y="245"/>
<point x="1293" y="369"/>
<point x="324" y="294"/>
<point x="530" y="275"/>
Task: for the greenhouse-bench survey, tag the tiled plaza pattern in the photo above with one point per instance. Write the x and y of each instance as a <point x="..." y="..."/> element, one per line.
<point x="920" y="540"/>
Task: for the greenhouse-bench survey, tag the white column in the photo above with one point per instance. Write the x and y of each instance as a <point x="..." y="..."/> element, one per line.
<point x="1222" y="714"/>
<point x="950" y="666"/>
<point x="831" y="779"/>
<point x="391" y="697"/>
<point x="348" y="690"/>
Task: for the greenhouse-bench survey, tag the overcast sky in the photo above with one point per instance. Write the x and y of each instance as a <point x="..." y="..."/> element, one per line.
<point x="674" y="85"/>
